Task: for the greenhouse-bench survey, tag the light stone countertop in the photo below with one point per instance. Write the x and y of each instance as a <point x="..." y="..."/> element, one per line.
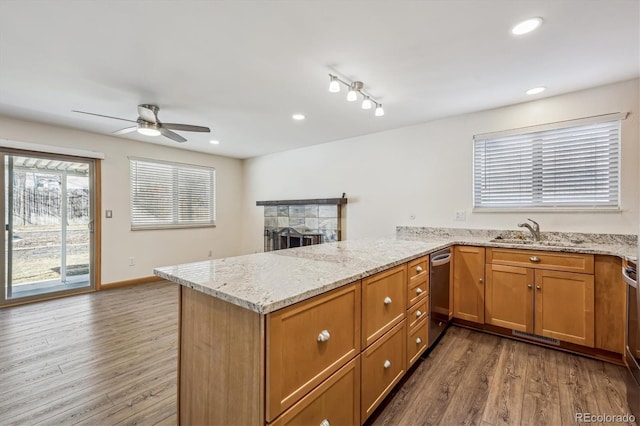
<point x="266" y="282"/>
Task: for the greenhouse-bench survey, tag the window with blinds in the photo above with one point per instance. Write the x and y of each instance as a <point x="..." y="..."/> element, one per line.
<point x="171" y="195"/>
<point x="569" y="167"/>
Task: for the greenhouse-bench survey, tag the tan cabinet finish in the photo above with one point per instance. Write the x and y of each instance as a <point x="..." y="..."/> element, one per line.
<point x="610" y="304"/>
<point x="545" y="302"/>
<point x="468" y="283"/>
<point x="383" y="365"/>
<point x="417" y="340"/>
<point x="565" y="306"/>
<point x="309" y="341"/>
<point x="418" y="312"/>
<point x="336" y="401"/>
<point x="384" y="302"/>
<point x="418" y="283"/>
<point x="555" y="261"/>
<point x="509" y="297"/>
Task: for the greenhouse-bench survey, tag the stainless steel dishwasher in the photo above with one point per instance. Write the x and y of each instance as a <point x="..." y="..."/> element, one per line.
<point x="439" y="271"/>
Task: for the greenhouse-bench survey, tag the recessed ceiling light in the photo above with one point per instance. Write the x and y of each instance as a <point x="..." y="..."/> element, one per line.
<point x="214" y="142"/>
<point x="298" y="117"/>
<point x="526" y="26"/>
<point x="536" y="90"/>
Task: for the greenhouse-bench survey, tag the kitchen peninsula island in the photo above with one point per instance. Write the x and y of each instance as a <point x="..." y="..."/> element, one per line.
<point x="312" y="333"/>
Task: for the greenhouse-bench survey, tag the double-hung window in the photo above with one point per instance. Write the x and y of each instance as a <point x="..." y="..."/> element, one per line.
<point x="171" y="195"/>
<point x="573" y="165"/>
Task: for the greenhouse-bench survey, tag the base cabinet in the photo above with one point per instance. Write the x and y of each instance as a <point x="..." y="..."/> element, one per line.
<point x="468" y="283"/>
<point x="532" y="293"/>
<point x="383" y="365"/>
<point x="335" y="402"/>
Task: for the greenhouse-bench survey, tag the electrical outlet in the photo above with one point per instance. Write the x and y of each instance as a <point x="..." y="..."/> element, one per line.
<point x="412" y="216"/>
<point x="210" y="253"/>
<point x="132" y="261"/>
<point x="460" y="215"/>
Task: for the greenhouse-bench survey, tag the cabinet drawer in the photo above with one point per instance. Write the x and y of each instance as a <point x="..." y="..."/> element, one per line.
<point x="383" y="365"/>
<point x="418" y="312"/>
<point x="417" y="289"/>
<point x="336" y="401"/>
<point x="309" y="341"/>
<point x="555" y="261"/>
<point x="384" y="302"/>
<point x="418" y="270"/>
<point x="417" y="340"/>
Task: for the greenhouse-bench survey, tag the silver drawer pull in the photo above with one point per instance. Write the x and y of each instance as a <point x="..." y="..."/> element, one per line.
<point x="419" y="290"/>
<point x="418" y="314"/>
<point x="387" y="364"/>
<point x="387" y="300"/>
<point x="534" y="259"/>
<point x="419" y="269"/>
<point x="418" y="341"/>
<point x="324" y="336"/>
<point x="325" y="422"/>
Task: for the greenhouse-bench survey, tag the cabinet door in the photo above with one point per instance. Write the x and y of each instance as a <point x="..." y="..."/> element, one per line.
<point x="564" y="306"/>
<point x="468" y="283"/>
<point x="509" y="297"/>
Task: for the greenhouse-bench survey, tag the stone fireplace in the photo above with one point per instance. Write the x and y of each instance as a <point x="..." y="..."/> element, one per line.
<point x="297" y="223"/>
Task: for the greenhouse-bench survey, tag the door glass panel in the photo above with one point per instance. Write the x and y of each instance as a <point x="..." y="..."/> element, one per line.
<point x="47" y="236"/>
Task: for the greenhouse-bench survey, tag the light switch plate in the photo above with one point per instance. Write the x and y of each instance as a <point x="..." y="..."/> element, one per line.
<point x="460" y="215"/>
<point x="108" y="214"/>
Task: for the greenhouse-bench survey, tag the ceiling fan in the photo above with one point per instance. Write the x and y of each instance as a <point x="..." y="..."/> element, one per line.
<point x="149" y="125"/>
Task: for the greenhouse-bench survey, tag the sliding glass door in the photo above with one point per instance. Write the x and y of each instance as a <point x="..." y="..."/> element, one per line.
<point x="49" y="214"/>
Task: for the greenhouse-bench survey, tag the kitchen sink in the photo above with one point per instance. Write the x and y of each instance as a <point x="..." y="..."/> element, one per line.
<point x="537" y="243"/>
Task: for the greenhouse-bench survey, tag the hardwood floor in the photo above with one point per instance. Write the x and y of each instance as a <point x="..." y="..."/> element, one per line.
<point x="109" y="358"/>
<point x="477" y="378"/>
<point x="101" y="358"/>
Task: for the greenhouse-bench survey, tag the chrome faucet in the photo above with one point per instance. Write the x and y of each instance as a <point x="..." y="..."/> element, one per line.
<point x="535" y="229"/>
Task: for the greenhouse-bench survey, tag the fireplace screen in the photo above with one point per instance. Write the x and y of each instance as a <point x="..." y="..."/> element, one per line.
<point x="288" y="238"/>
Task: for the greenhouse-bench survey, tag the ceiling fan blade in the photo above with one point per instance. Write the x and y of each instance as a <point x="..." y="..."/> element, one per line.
<point x="171" y="135"/>
<point x="101" y="115"/>
<point x="186" y="127"/>
<point x="126" y="130"/>
<point x="148" y="112"/>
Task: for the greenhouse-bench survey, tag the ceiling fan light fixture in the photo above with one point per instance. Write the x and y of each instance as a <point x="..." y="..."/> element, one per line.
<point x="148" y="129"/>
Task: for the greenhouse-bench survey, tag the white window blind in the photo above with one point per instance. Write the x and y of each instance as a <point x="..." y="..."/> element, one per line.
<point x="568" y="167"/>
<point x="171" y="195"/>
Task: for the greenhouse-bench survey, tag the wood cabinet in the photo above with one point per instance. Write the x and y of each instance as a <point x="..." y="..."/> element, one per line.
<point x="610" y="304"/>
<point x="383" y="365"/>
<point x="335" y="402"/>
<point x="417" y="309"/>
<point x="468" y="283"/>
<point x="509" y="297"/>
<point x="309" y="341"/>
<point x="384" y="301"/>
<point x="522" y="294"/>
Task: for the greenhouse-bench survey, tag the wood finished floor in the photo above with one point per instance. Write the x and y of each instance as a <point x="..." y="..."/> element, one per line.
<point x="109" y="358"/>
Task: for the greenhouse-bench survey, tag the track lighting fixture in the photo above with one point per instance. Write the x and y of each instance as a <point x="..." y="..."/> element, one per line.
<point x="352" y="95"/>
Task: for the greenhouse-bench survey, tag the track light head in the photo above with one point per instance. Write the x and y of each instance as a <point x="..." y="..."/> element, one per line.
<point x="379" y="111"/>
<point x="334" y="84"/>
<point x="366" y="103"/>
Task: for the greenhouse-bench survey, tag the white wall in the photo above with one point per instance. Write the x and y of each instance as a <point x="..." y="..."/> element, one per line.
<point x="426" y="171"/>
<point x="149" y="248"/>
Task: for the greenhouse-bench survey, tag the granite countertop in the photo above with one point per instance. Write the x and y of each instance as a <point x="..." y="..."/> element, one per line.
<point x="266" y="282"/>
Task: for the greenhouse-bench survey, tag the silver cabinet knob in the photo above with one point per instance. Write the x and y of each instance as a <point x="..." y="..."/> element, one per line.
<point x="325" y="422"/>
<point x="419" y="269"/>
<point x="529" y="285"/>
<point x="480" y="280"/>
<point x="387" y="364"/>
<point x="419" y="290"/>
<point x="418" y="341"/>
<point x="534" y="259"/>
<point x="324" y="336"/>
<point x="387" y="300"/>
<point x="538" y="287"/>
<point x="418" y="314"/>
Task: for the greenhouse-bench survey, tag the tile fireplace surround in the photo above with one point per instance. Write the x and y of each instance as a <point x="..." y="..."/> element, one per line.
<point x="308" y="217"/>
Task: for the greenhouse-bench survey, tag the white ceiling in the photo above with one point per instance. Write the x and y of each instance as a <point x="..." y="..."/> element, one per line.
<point x="243" y="67"/>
